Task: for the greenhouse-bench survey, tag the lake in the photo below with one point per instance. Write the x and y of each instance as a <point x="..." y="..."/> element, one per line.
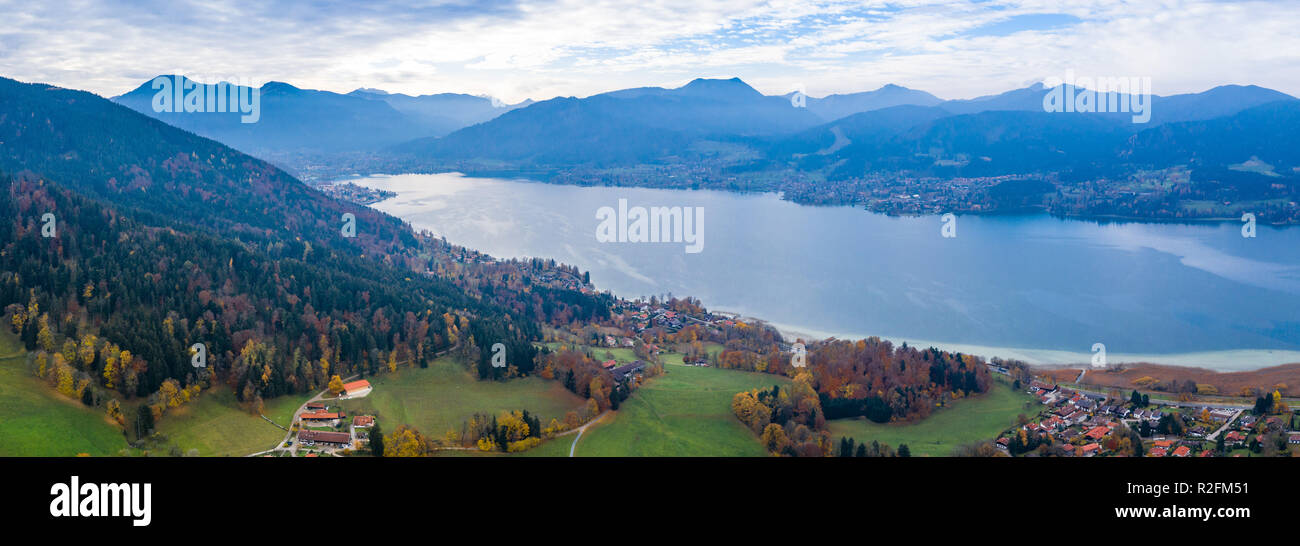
<point x="1026" y="286"/>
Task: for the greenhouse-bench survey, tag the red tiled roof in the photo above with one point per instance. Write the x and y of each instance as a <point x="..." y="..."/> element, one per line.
<point x="1097" y="433"/>
<point x="1182" y="451"/>
<point x="356" y="386"/>
<point x="363" y="421"/>
<point x="322" y="415"/>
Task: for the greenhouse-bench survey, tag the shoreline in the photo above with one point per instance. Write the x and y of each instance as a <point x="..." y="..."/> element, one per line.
<point x="524" y="176"/>
<point x="1229" y="360"/>
<point x="1218" y="360"/>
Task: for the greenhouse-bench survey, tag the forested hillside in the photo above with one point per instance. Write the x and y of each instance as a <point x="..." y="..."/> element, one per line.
<point x="128" y="241"/>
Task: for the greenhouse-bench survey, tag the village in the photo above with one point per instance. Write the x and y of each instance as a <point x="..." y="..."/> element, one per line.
<point x="1075" y="423"/>
<point x="655" y="313"/>
<point x="320" y="427"/>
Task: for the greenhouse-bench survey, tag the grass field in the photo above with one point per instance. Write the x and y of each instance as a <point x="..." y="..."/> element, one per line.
<point x="622" y="354"/>
<point x="444" y="395"/>
<point x="686" y="412"/>
<point x="964" y="421"/>
<point x="35" y="421"/>
<point x="215" y="425"/>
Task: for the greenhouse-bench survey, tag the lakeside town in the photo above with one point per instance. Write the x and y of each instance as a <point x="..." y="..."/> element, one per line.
<point x="1079" y="423"/>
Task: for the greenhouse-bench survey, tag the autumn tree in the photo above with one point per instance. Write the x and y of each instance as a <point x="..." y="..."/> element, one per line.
<point x="406" y="441"/>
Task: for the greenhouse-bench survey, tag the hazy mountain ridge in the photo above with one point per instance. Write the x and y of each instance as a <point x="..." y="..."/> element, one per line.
<point x="900" y="129"/>
<point x="305" y="120"/>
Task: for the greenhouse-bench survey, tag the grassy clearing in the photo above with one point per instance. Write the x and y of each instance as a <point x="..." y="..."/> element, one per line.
<point x="964" y="421"/>
<point x="35" y="421"/>
<point x="215" y="425"/>
<point x="622" y="354"/>
<point x="686" y="412"/>
<point x="444" y="395"/>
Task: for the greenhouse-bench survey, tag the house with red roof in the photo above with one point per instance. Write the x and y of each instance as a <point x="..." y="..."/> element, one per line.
<point x="321" y="415"/>
<point x="356" y="388"/>
<point x="1097" y="433"/>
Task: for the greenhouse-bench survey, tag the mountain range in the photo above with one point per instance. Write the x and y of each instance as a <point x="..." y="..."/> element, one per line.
<point x="893" y="128"/>
<point x="726" y="122"/>
<point x="311" y="121"/>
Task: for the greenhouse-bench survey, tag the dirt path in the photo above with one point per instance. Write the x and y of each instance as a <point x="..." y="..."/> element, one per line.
<point x="582" y="429"/>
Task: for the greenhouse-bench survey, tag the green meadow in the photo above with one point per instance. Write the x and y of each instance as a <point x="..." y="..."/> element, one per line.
<point x="685" y="412"/>
<point x="36" y="421"/>
<point x="962" y="422"/>
<point x="444" y="395"/>
<point x="215" y="425"/>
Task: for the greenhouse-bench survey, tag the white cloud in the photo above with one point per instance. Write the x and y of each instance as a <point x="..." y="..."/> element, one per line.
<point x="580" y="47"/>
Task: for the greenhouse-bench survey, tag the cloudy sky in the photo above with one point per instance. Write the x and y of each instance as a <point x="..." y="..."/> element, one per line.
<point x="541" y="49"/>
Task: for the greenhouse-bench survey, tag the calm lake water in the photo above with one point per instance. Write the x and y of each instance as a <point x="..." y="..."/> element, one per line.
<point x="1027" y="286"/>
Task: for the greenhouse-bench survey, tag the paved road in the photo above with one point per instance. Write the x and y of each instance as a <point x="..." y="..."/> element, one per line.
<point x="1215" y="434"/>
<point x="1175" y="403"/>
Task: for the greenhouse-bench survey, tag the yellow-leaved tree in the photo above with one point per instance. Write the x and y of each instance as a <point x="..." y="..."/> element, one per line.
<point x="405" y="442"/>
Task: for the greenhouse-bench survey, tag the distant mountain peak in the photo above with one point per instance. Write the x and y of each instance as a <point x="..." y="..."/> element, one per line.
<point x="730" y="88"/>
<point x="279" y="86"/>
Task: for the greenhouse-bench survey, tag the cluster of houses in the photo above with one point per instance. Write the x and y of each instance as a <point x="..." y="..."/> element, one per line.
<point x="625" y="342"/>
<point x="347" y="432"/>
<point x="1079" y="423"/>
<point x="556" y="278"/>
<point x="645" y="316"/>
